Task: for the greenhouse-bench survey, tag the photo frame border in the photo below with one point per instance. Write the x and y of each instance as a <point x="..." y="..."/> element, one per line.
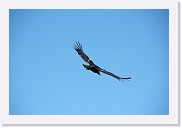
<point x="171" y="119"/>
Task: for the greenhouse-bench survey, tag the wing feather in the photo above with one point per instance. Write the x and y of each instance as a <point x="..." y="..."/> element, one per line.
<point x="113" y="75"/>
<point x="79" y="49"/>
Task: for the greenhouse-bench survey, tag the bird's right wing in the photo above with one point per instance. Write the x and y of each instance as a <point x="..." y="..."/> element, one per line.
<point x="113" y="75"/>
<point x="79" y="49"/>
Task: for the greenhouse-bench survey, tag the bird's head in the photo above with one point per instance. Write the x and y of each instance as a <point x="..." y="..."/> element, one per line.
<point x="86" y="66"/>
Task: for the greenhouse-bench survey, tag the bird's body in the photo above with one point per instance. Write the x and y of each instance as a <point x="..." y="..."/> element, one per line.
<point x="93" y="67"/>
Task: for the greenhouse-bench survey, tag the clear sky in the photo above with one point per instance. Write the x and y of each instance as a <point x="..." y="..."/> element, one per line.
<point x="47" y="76"/>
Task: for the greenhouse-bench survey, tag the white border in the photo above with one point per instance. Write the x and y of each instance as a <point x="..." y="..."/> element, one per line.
<point x="171" y="119"/>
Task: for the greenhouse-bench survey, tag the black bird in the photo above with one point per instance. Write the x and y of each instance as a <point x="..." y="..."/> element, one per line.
<point x="94" y="68"/>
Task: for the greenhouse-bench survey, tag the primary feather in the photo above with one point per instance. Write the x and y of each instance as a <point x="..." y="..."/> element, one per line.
<point x="79" y="49"/>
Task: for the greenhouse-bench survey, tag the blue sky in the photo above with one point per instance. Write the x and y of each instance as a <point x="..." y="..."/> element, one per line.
<point x="47" y="76"/>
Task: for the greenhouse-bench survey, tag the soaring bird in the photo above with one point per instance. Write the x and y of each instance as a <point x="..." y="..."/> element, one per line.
<point x="93" y="67"/>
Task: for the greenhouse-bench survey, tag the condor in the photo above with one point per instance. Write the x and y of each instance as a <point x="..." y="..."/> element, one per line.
<point x="93" y="67"/>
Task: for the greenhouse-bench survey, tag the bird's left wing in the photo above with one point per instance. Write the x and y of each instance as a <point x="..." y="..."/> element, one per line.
<point x="113" y="75"/>
<point x="79" y="49"/>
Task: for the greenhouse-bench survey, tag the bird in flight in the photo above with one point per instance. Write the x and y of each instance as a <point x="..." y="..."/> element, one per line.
<point x="93" y="67"/>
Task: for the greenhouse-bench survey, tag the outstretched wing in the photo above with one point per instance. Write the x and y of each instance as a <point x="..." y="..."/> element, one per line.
<point x="113" y="75"/>
<point x="79" y="49"/>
